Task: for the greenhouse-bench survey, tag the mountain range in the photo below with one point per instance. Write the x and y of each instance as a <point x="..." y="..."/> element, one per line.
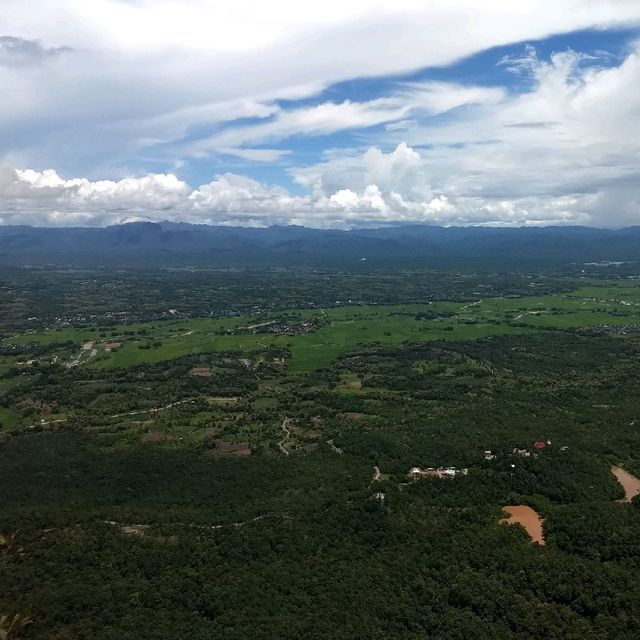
<point x="167" y="243"/>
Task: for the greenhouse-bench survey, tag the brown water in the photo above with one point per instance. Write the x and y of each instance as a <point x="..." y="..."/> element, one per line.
<point x="526" y="517"/>
<point x="630" y="484"/>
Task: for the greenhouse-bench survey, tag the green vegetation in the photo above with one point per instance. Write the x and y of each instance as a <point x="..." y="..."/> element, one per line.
<point x="342" y="328"/>
<point x="248" y="475"/>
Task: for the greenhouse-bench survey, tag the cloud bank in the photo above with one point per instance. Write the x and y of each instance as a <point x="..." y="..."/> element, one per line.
<point x="137" y="91"/>
<point x="564" y="152"/>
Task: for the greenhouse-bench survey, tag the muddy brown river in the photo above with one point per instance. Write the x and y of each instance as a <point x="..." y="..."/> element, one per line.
<point x="630" y="484"/>
<point x="526" y="517"/>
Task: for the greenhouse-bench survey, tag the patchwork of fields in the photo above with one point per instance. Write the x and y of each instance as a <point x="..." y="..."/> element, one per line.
<point x="275" y="447"/>
<point x="346" y="327"/>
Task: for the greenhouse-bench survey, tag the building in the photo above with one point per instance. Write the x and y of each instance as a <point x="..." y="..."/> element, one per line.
<point x="430" y="472"/>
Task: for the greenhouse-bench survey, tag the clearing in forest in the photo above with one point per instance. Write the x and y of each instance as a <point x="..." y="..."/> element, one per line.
<point x="528" y="518"/>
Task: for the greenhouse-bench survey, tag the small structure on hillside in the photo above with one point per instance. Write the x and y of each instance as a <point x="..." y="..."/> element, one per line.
<point x="133" y="530"/>
<point x="416" y="473"/>
<point x="523" y="453"/>
<point x="489" y="455"/>
<point x="201" y="372"/>
<point x="539" y="444"/>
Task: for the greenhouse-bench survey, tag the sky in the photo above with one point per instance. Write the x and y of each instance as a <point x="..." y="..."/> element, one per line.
<point x="328" y="115"/>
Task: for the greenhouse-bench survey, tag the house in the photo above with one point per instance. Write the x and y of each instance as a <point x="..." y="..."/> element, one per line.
<point x="430" y="472"/>
<point x="489" y="455"/>
<point x="523" y="453"/>
<point x="417" y="472"/>
<point x="538" y="444"/>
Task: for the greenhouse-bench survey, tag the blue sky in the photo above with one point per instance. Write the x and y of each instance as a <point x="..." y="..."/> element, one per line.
<point x="609" y="48"/>
<point x="452" y="113"/>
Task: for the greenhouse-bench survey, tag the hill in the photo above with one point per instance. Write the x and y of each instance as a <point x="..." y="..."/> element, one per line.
<point x="408" y="245"/>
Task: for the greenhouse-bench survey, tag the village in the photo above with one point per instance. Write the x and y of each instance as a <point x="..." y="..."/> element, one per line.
<point x="416" y="473"/>
<point x="285" y="326"/>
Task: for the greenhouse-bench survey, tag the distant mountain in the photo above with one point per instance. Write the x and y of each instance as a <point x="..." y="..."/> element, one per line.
<point x="143" y="243"/>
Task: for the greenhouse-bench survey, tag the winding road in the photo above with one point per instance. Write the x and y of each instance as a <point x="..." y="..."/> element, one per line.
<point x="116" y="415"/>
<point x="287" y="434"/>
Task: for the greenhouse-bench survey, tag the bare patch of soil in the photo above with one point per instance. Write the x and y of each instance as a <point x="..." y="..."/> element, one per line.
<point x="526" y="517"/>
<point x="630" y="483"/>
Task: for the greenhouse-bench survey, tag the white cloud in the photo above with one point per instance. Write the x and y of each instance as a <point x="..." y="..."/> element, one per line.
<point x="45" y="198"/>
<point x="134" y="74"/>
<point x="33" y="197"/>
<point x="400" y="170"/>
<point x="324" y="118"/>
<point x="440" y="97"/>
<point x="567" y="151"/>
<point x="85" y="85"/>
<point x="329" y="117"/>
<point x="244" y="197"/>
<point x="255" y="155"/>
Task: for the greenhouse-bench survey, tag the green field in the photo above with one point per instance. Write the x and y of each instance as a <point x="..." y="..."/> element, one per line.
<point x="351" y="326"/>
<point x="8" y="418"/>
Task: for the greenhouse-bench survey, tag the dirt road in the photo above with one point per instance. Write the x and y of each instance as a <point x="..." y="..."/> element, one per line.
<point x="287" y="434"/>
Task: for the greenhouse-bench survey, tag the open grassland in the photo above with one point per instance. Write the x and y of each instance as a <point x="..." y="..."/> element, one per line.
<point x="347" y="327"/>
<point x="8" y="417"/>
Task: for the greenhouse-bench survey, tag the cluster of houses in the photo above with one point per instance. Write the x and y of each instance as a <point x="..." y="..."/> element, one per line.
<point x="538" y="445"/>
<point x="440" y="472"/>
<point x="609" y="330"/>
<point x="451" y="472"/>
<point x="281" y="327"/>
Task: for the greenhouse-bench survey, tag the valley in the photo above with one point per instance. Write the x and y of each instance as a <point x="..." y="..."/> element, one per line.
<point x="191" y="461"/>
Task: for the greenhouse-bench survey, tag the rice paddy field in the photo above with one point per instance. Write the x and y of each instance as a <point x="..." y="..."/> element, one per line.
<point x="343" y="328"/>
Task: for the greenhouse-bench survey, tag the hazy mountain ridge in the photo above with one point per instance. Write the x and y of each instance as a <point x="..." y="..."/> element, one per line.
<point x="181" y="243"/>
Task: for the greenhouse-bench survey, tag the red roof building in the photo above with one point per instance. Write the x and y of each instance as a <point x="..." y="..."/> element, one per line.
<point x="539" y="444"/>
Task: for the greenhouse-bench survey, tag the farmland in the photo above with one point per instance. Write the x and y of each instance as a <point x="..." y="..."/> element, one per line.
<point x="349" y="326"/>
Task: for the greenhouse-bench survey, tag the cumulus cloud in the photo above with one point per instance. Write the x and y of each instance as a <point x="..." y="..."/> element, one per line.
<point x="34" y="197"/>
<point x="159" y="84"/>
<point x="566" y="151"/>
<point x="400" y="170"/>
